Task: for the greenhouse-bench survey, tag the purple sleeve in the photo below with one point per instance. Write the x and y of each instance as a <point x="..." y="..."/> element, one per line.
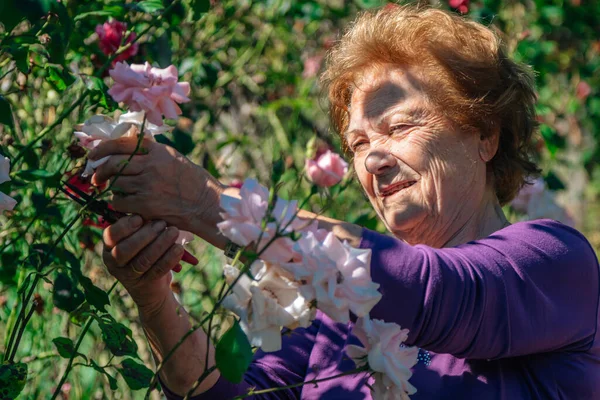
<point x="269" y="370"/>
<point x="532" y="287"/>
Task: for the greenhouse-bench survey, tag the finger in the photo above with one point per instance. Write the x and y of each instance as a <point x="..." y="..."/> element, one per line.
<point x="127" y="185"/>
<point x="154" y="251"/>
<point x="126" y="203"/>
<point x="120" y="230"/>
<point x="166" y="263"/>
<point x="177" y="268"/>
<point x="122" y="145"/>
<point x="115" y="164"/>
<point x="127" y="249"/>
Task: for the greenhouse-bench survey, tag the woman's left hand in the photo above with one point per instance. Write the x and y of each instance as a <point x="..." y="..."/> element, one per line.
<point x="158" y="183"/>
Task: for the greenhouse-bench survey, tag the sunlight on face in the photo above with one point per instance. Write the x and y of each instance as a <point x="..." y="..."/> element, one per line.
<point x="421" y="174"/>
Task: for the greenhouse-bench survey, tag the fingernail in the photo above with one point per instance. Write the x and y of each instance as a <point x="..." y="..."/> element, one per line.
<point x="159" y="226"/>
<point x="136" y="221"/>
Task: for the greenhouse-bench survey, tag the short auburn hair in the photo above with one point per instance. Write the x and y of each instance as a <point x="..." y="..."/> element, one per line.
<point x="469" y="77"/>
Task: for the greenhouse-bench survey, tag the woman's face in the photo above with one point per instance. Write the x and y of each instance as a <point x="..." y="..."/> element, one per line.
<point x="424" y="177"/>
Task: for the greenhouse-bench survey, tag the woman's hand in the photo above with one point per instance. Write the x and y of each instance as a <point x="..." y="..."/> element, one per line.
<point x="141" y="255"/>
<point x="159" y="183"/>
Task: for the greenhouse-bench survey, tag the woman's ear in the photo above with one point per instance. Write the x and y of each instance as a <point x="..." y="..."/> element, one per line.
<point x="488" y="146"/>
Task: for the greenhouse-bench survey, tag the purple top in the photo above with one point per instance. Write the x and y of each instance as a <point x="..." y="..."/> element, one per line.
<point x="511" y="316"/>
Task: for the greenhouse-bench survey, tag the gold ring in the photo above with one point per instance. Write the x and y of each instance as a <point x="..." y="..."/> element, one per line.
<point x="135" y="271"/>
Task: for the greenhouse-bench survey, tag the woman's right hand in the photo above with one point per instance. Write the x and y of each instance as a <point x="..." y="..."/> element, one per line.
<point x="141" y="255"/>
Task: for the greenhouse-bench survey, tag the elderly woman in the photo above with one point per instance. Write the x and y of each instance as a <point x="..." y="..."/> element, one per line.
<point x="437" y="120"/>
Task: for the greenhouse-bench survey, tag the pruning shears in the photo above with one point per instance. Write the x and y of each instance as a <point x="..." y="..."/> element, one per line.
<point x="102" y="208"/>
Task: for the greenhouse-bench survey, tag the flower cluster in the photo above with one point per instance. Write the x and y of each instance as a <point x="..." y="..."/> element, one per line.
<point x="6" y="202"/>
<point x="302" y="269"/>
<point x="266" y="303"/>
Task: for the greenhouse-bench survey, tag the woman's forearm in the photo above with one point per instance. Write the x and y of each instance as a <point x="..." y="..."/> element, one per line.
<point x="164" y="328"/>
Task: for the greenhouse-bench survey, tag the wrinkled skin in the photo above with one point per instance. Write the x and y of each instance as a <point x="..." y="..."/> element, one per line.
<point x="158" y="183"/>
<point x="396" y="134"/>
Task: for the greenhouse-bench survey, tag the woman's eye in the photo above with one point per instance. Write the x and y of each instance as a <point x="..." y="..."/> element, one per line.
<point x="358" y="145"/>
<point x="398" y="128"/>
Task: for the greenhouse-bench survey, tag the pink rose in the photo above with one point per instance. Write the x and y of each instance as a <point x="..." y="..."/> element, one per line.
<point x="6" y="202"/>
<point x="334" y="274"/>
<point x="327" y="170"/>
<point x="583" y="90"/>
<point x="110" y="36"/>
<point x="242" y="221"/>
<point x="461" y="5"/>
<point x="386" y="355"/>
<point x="153" y="90"/>
<point x="267" y="303"/>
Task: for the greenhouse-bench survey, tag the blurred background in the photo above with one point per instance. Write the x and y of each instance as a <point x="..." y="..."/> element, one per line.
<point x="253" y="67"/>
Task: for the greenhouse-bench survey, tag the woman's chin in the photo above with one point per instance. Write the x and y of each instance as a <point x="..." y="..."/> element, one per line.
<point x="403" y="219"/>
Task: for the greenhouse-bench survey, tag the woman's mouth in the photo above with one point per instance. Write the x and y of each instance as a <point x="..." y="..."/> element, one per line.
<point x="387" y="191"/>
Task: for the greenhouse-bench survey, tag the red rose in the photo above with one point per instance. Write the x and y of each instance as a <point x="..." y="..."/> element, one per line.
<point x="461" y="5"/>
<point x="111" y="37"/>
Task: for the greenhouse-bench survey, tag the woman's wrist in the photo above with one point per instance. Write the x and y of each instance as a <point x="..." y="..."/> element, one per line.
<point x="152" y="303"/>
<point x="205" y="220"/>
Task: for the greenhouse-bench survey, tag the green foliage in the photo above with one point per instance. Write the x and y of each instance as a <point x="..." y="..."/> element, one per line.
<point x="6" y="117"/>
<point x="65" y="294"/>
<point x="117" y="337"/>
<point x="233" y="354"/>
<point x="12" y="379"/>
<point x="135" y="374"/>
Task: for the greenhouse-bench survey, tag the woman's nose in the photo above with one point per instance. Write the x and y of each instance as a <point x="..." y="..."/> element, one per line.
<point x="379" y="162"/>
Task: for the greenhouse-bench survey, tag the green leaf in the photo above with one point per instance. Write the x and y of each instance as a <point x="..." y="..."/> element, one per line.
<point x="6" y="117"/>
<point x="111" y="380"/>
<point x="150" y="6"/>
<point x="277" y="170"/>
<point x="65" y="347"/>
<point x="199" y="7"/>
<point x="110" y="12"/>
<point x="233" y="354"/>
<point x="65" y="294"/>
<point x="12" y="379"/>
<point x="137" y="376"/>
<point x="117" y="337"/>
<point x="93" y="294"/>
<point x="553" y="140"/>
<point x="59" y="77"/>
<point x="98" y="94"/>
<point x="21" y="58"/>
<point x="31" y="175"/>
